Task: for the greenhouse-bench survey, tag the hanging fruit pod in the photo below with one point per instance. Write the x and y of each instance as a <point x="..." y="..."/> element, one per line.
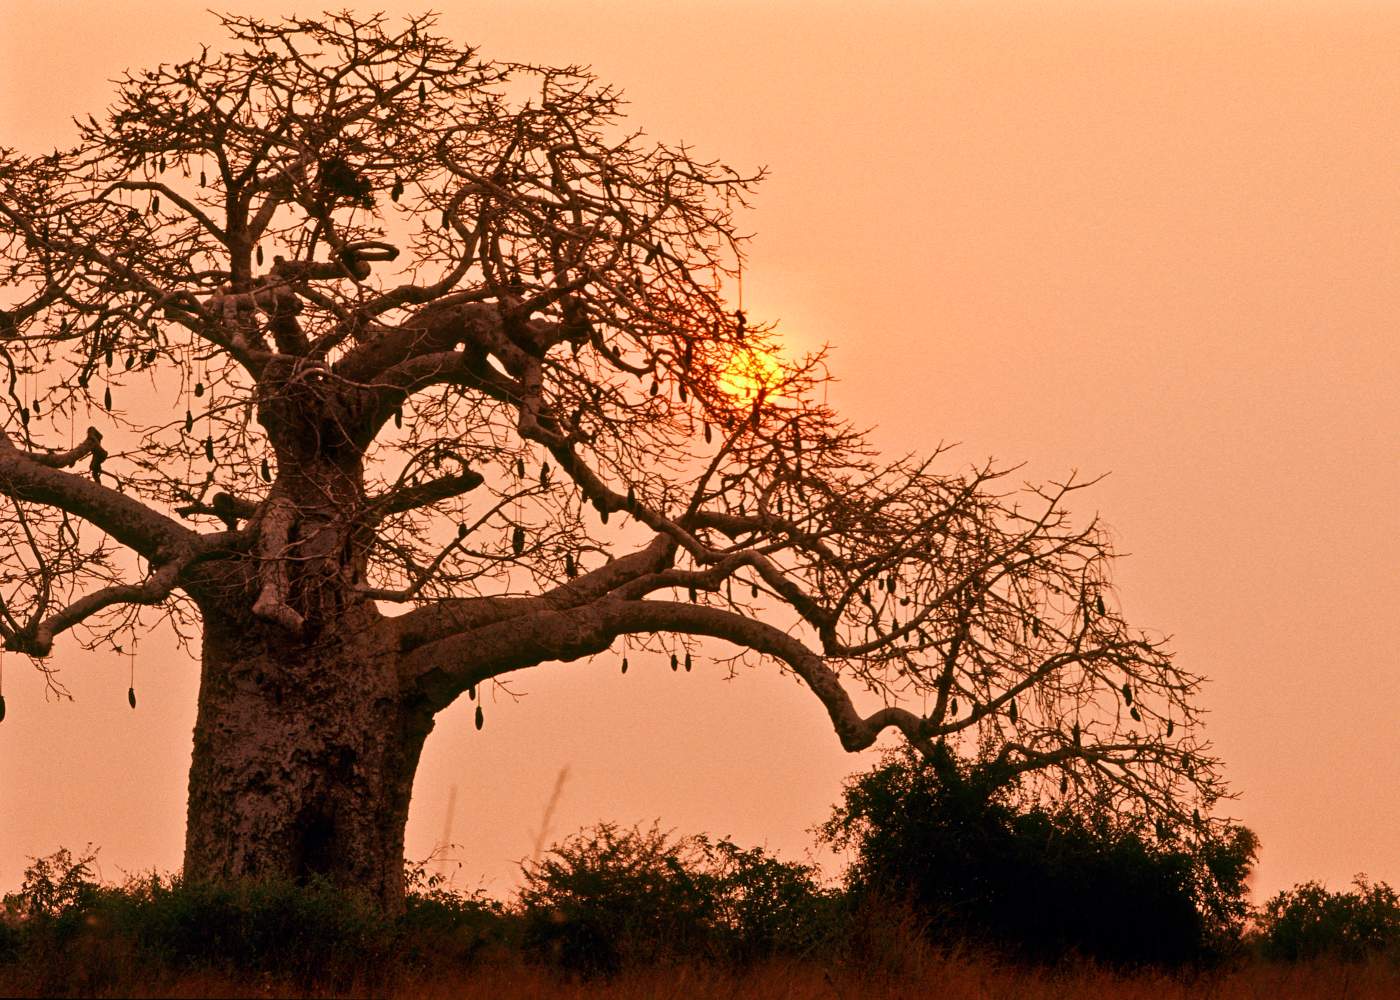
<point x="266" y="471"/>
<point x="708" y="435"/>
<point x="480" y="718"/>
<point x="1013" y="713"/>
<point x="2" y="708"/>
<point x="444" y="218"/>
<point x="396" y="192"/>
<point x="398" y="417"/>
<point x="624" y="664"/>
<point x="1137" y="716"/>
<point x="107" y="398"/>
<point x="131" y="696"/>
<point x="107" y="357"/>
<point x="149" y="357"/>
<point x="570" y="567"/>
<point x="422" y="92"/>
<point x="189" y="421"/>
<point x="1127" y="694"/>
<point x="517" y="540"/>
<point x="258" y="255"/>
<point x="155" y="204"/>
<point x="687" y="663"/>
<point x="203" y="180"/>
<point x="674" y="661"/>
<point x="631" y="498"/>
<point x="1170" y="728"/>
<point x="1064" y="784"/>
<point x="520" y="468"/>
<point x="24" y="416"/>
<point x="209" y="447"/>
<point x="544" y="474"/>
<point x="1099" y="605"/>
<point x="754" y="590"/>
<point x="461" y="531"/>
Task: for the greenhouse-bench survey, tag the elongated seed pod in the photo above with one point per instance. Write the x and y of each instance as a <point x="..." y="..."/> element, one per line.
<point x="107" y="398"/>
<point x="624" y="664"/>
<point x="398" y="417"/>
<point x="266" y="471"/>
<point x="687" y="663"/>
<point x="570" y="567"/>
<point x="259" y="255"/>
<point x="1127" y="694"/>
<point x="1137" y="716"/>
<point x="209" y="448"/>
<point x="480" y="718"/>
<point x="189" y="421"/>
<point x="198" y="390"/>
<point x="1170" y="727"/>
<point x="131" y="696"/>
<point x="520" y="468"/>
<point x="517" y="540"/>
<point x="674" y="662"/>
<point x="2" y="708"/>
<point x="1013" y="712"/>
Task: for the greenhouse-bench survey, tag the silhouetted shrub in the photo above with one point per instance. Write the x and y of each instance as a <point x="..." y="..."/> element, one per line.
<point x="1308" y="922"/>
<point x="611" y="897"/>
<point x="1037" y="883"/>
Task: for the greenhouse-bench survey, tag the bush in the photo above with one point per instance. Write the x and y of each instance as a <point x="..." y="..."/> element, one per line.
<point x="76" y="937"/>
<point x="1308" y="922"/>
<point x="611" y="897"/>
<point x="1033" y="882"/>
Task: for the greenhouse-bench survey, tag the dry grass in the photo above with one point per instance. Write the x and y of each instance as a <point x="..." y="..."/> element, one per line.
<point x="929" y="974"/>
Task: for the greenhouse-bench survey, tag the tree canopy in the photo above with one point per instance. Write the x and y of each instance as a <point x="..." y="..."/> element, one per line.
<point x="448" y="334"/>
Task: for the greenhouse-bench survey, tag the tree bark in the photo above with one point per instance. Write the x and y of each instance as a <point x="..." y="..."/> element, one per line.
<point x="304" y="755"/>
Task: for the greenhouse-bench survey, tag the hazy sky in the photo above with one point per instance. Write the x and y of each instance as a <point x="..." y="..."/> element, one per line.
<point x="1156" y="240"/>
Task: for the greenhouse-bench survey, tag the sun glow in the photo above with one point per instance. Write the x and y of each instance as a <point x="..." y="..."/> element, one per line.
<point x="749" y="370"/>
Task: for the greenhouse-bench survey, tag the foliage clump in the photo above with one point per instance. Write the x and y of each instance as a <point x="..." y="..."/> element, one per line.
<point x="1309" y="922"/>
<point x="611" y="897"/>
<point x="1038" y="881"/>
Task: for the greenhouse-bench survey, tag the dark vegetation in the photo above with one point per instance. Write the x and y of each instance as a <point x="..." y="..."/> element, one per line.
<point x="940" y="855"/>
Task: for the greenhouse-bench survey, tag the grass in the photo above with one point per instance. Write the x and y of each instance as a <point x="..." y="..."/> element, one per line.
<point x="948" y="976"/>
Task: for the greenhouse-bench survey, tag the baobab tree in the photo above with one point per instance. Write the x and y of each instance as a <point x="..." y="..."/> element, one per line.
<point x="391" y="371"/>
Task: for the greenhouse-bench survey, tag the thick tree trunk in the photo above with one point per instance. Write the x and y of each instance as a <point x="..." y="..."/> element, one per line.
<point x="304" y="755"/>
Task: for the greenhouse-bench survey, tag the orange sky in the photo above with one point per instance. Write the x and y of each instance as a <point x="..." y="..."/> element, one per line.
<point x="1157" y="240"/>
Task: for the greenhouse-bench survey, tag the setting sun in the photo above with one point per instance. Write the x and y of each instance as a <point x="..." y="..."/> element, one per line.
<point x="750" y="369"/>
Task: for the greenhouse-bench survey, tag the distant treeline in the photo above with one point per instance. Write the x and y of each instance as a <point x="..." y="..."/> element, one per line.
<point x="936" y="857"/>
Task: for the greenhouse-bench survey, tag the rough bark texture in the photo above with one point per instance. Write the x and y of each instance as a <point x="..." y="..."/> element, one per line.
<point x="304" y="756"/>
